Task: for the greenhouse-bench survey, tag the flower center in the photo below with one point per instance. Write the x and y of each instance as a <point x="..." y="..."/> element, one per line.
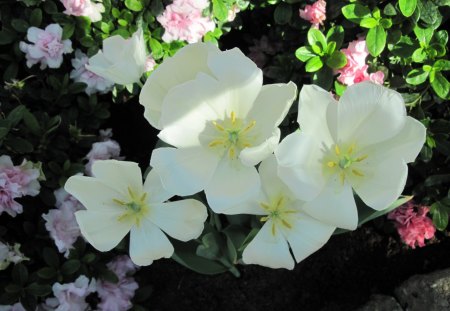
<point x="279" y="213"/>
<point x="344" y="163"/>
<point x="233" y="135"/>
<point x="135" y="208"/>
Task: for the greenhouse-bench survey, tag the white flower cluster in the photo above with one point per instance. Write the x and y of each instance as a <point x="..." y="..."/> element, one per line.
<point x="221" y="122"/>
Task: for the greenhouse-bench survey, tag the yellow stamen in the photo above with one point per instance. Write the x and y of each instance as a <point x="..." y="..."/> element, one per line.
<point x="231" y="153"/>
<point x="119" y="202"/>
<point x="144" y="196"/>
<point x="218" y="126"/>
<point x="233" y="117"/>
<point x="265" y="206"/>
<point x="331" y="164"/>
<point x="263" y="219"/>
<point x="337" y="150"/>
<point x="357" y="172"/>
<point x="249" y="126"/>
<point x="286" y="224"/>
<point x="361" y="158"/>
<point x="215" y="143"/>
<point x="342" y="177"/>
<point x="130" y="193"/>
<point x="245" y="145"/>
<point x="280" y="202"/>
<point x="350" y="150"/>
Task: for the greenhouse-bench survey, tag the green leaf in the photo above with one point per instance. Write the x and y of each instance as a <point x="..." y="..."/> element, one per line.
<point x="336" y="34"/>
<point x="441" y="37"/>
<point x="442" y="65"/>
<point x="50" y="7"/>
<point x="51" y="258"/>
<point x="405" y="47"/>
<point x="336" y="60"/>
<point x="355" y="12"/>
<point x="3" y="132"/>
<point x="283" y="13"/>
<point x="376" y="40"/>
<point x="19" y="274"/>
<point x="220" y="10"/>
<point x="407" y="7"/>
<point x="440" y="214"/>
<point x="134" y="5"/>
<point x="16" y="115"/>
<point x="390" y="10"/>
<point x="20" y="25"/>
<point x="324" y="78"/>
<point x="39" y="290"/>
<point x="19" y="144"/>
<point x="316" y="37"/>
<point x="366" y="213"/>
<point x="11" y="71"/>
<point x="417" y="76"/>
<point x="368" y="22"/>
<point x="70" y="266"/>
<point x="339" y="88"/>
<point x="87" y="41"/>
<point x="31" y="122"/>
<point x="68" y="31"/>
<point x="437" y="180"/>
<point x="304" y="53"/>
<point x="185" y="254"/>
<point x="386" y="23"/>
<point x="211" y="246"/>
<point x="331" y="48"/>
<point x="419" y="55"/>
<point x="36" y="17"/>
<point x="441" y="86"/>
<point x="157" y="49"/>
<point x="314" y="64"/>
<point x="46" y="273"/>
<point x="7" y="36"/>
<point x="424" y="35"/>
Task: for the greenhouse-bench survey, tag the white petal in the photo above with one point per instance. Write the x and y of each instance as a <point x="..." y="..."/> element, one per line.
<point x="272" y="105"/>
<point x="251" y="206"/>
<point x="93" y="193"/>
<point x="298" y="157"/>
<point x="334" y="206"/>
<point x="231" y="184"/>
<point x="382" y="183"/>
<point x="369" y="113"/>
<point x="406" y="145"/>
<point x="184" y="171"/>
<point x="271" y="184"/>
<point x="183" y="67"/>
<point x="153" y="186"/>
<point x="33" y="34"/>
<point x="268" y="250"/>
<point x="315" y="112"/>
<point x="119" y="175"/>
<point x="54" y="29"/>
<point x="242" y="78"/>
<point x="114" y="48"/>
<point x="307" y="235"/>
<point x="148" y="243"/>
<point x="102" y="229"/>
<point x="253" y="155"/>
<point x="182" y="220"/>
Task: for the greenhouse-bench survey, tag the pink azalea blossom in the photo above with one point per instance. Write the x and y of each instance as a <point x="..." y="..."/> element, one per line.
<point x="117" y="296"/>
<point x="103" y="150"/>
<point x="15" y="182"/>
<point x="80" y="73"/>
<point x="183" y="20"/>
<point x="412" y="224"/>
<point x="61" y="222"/>
<point x="355" y="71"/>
<point x="47" y="46"/>
<point x="71" y="296"/>
<point x="314" y="13"/>
<point x="87" y="8"/>
<point x="150" y="63"/>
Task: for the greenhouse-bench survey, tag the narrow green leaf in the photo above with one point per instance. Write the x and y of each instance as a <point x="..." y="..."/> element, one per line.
<point x="314" y="64"/>
<point x="407" y="7"/>
<point x="417" y="76"/>
<point x="376" y="40"/>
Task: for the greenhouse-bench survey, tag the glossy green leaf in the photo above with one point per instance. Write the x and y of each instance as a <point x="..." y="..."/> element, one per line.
<point x="407" y="7"/>
<point x="417" y="76"/>
<point x="368" y="22"/>
<point x="376" y="40"/>
<point x="336" y="34"/>
<point x="355" y="12"/>
<point x="304" y="53"/>
<point x="336" y="60"/>
<point x="441" y="86"/>
<point x="134" y="5"/>
<point x="314" y="64"/>
<point x="220" y="10"/>
<point x="316" y="37"/>
<point x="440" y="214"/>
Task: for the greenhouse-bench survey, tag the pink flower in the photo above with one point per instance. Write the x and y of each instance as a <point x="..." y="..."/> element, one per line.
<point x="183" y="20"/>
<point x="81" y="74"/>
<point x="117" y="296"/>
<point x="15" y="182"/>
<point x="314" y="13"/>
<point x="412" y="224"/>
<point x="355" y="70"/>
<point x="71" y="296"/>
<point x="47" y="48"/>
<point x="104" y="150"/>
<point x="150" y="63"/>
<point x="61" y="222"/>
<point x="87" y="8"/>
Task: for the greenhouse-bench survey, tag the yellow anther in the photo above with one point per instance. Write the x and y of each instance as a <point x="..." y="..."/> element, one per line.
<point x="263" y="219"/>
<point x="231" y="153"/>
<point x="218" y="126"/>
<point x="331" y="164"/>
<point x="342" y="177"/>
<point x="265" y="206"/>
<point x="143" y="197"/>
<point x="351" y="149"/>
<point x="280" y="202"/>
<point x="286" y="224"/>
<point x="357" y="172"/>
<point x="249" y="126"/>
<point x="245" y="145"/>
<point x="361" y="158"/>
<point x="215" y="143"/>
<point x="233" y="117"/>
<point x="119" y="202"/>
<point x="337" y="150"/>
<point x="130" y="193"/>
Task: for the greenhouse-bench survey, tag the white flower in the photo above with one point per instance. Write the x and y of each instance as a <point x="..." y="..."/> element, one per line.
<point x="122" y="60"/>
<point x="285" y="224"/>
<point x="222" y="123"/>
<point x="363" y="142"/>
<point x="117" y="202"/>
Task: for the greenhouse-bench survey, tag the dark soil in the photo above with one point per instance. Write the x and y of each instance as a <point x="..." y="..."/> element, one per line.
<point x="340" y="276"/>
